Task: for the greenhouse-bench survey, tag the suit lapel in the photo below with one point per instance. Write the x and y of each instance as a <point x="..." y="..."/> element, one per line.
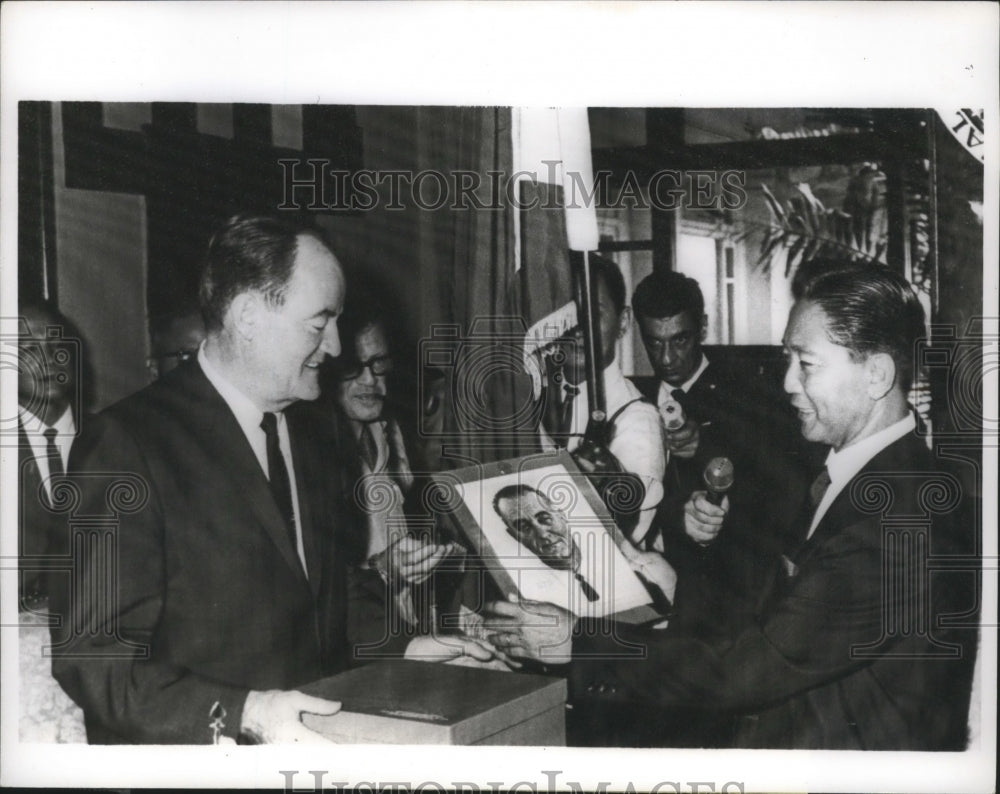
<point x="215" y="422"/>
<point x="843" y="512"/>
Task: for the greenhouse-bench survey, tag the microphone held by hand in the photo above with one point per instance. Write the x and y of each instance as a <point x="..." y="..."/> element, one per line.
<point x="718" y="479"/>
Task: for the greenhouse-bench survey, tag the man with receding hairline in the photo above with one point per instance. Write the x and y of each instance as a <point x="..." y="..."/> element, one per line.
<point x="533" y="521"/>
<point x="854" y="644"/>
<point x="232" y="588"/>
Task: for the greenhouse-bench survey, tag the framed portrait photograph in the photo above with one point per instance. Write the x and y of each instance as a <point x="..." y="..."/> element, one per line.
<point x="544" y="534"/>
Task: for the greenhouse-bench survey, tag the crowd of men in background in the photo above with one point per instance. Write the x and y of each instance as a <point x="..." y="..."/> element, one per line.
<point x="272" y="539"/>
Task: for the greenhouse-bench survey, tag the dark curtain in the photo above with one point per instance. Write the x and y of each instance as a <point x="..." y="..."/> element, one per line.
<point x="36" y="246"/>
<point x="488" y="409"/>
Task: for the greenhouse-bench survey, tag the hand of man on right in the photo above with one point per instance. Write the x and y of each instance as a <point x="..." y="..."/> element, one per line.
<point x="275" y="716"/>
<point x="531" y="630"/>
<point x="683" y="442"/>
<point x="702" y="519"/>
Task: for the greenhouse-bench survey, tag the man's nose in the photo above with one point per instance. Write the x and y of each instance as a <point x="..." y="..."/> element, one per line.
<point x="667" y="355"/>
<point x="791" y="382"/>
<point x="331" y="340"/>
<point x="366" y="376"/>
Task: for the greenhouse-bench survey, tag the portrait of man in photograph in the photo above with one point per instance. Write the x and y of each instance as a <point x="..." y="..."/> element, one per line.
<point x="535" y="523"/>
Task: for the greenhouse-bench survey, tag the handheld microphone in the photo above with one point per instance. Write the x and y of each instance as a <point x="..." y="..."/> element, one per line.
<point x="718" y="478"/>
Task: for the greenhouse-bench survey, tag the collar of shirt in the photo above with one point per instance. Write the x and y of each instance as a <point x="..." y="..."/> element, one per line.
<point x="247" y="414"/>
<point x="32" y="425"/>
<point x="666" y="390"/>
<point x="844" y="465"/>
<point x="34" y="428"/>
<point x="618" y="390"/>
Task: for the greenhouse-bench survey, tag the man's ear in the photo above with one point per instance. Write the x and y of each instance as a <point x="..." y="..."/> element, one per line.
<point x="881" y="372"/>
<point x="624" y="322"/>
<point x="244" y="313"/>
<point x="704" y="328"/>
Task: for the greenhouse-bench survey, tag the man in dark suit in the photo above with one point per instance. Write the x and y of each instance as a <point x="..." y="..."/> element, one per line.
<point x="727" y="412"/>
<point x="228" y="587"/>
<point x="850" y="645"/>
<point x="48" y="377"/>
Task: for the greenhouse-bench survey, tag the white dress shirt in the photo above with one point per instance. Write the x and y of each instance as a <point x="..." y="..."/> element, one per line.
<point x="34" y="428"/>
<point x="843" y="465"/>
<point x="249" y="417"/>
<point x="637" y="441"/>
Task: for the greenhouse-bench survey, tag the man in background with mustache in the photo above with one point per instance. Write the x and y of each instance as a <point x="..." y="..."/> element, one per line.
<point x="379" y="477"/>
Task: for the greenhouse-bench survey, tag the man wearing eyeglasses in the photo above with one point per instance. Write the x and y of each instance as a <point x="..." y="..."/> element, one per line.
<point x="379" y="474"/>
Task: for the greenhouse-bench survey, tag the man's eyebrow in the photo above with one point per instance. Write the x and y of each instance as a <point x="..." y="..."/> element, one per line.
<point x="796" y="348"/>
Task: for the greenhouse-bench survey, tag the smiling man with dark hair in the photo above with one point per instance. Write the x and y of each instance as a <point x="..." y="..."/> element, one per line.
<point x="850" y="645"/>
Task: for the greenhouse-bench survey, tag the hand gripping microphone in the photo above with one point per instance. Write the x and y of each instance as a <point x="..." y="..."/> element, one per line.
<point x="718" y="478"/>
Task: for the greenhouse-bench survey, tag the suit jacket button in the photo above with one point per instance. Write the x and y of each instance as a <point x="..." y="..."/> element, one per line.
<point x="590" y="688"/>
<point x="602" y="688"/>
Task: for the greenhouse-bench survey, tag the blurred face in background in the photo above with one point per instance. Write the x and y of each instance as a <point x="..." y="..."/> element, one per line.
<point x="177" y="343"/>
<point x="362" y="388"/>
<point x="612" y="326"/>
<point x="47" y="365"/>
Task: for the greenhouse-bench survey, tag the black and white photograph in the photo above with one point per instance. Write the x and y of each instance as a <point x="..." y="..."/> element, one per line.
<point x="554" y="386"/>
<point x="543" y="533"/>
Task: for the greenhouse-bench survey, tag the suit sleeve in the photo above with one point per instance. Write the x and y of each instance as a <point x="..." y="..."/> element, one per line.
<point x="113" y="603"/>
<point x="375" y="629"/>
<point x="806" y="639"/>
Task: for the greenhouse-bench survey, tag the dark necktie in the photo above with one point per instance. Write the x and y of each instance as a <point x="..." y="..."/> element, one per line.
<point x="368" y="448"/>
<point x="54" y="458"/>
<point x="562" y="435"/>
<point x="679" y="396"/>
<point x="278" y="475"/>
<point x="818" y="489"/>
<point x="588" y="591"/>
<point x="52" y="453"/>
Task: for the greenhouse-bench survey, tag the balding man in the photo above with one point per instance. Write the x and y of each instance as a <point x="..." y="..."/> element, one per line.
<point x="231" y="587"/>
